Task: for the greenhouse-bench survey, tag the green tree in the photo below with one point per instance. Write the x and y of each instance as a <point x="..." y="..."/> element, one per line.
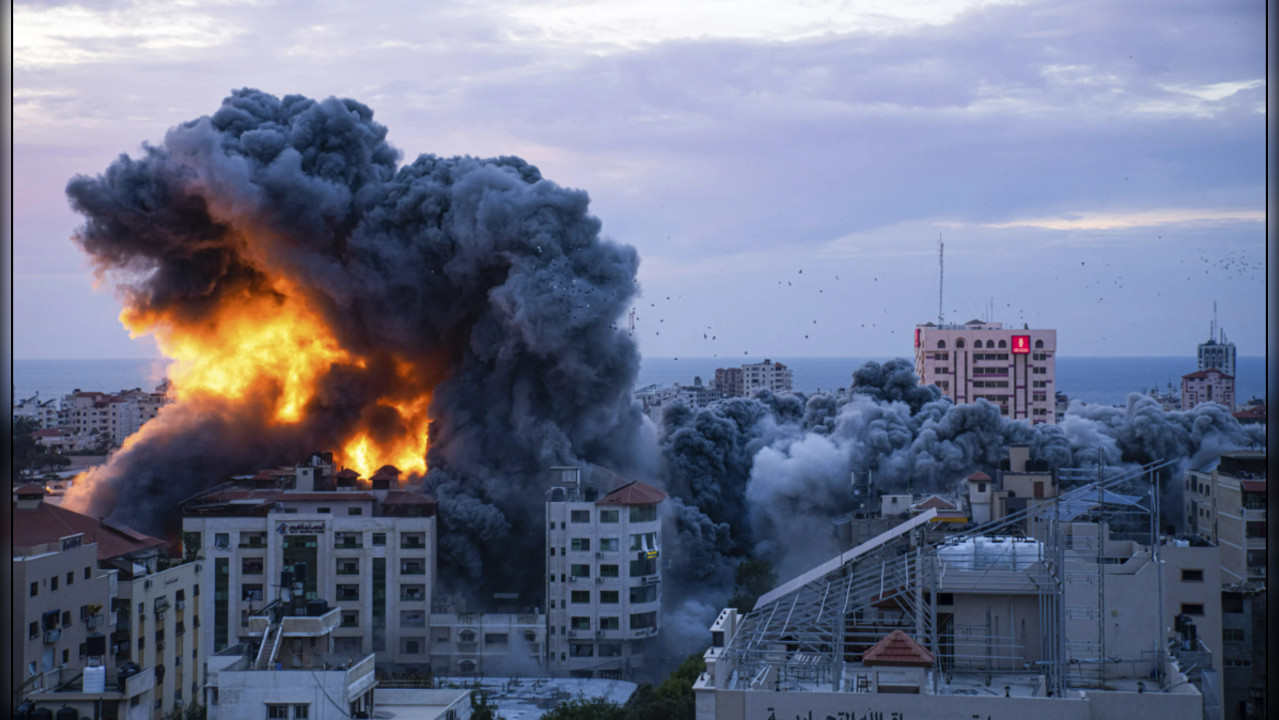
<point x="481" y="708"/>
<point x="583" y="708"/>
<point x="754" y="578"/>
<point x="190" y="547"/>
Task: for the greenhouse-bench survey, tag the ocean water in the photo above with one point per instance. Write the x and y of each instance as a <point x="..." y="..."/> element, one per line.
<point x="1103" y="380"/>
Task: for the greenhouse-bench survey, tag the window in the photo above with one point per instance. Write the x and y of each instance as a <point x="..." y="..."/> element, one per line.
<point x="1039" y="344"/>
<point x="1192" y="575"/>
<point x="301" y="712"/>
<point x="350" y="618"/>
<point x="1256" y="529"/>
<point x="34" y="629"/>
<point x="251" y="566"/>
<point x="959" y="343"/>
<point x="644" y="541"/>
<point x="644" y="513"/>
<point x="981" y="487"/>
<point x="466" y="666"/>
<point x="609" y="597"/>
<point x="580" y="544"/>
<point x="66" y="618"/>
<point x="323" y="510"/>
<point x="580" y="516"/>
<point x="643" y="593"/>
<point x="610" y="544"/>
<point x="355" y="511"/>
<point x="379" y="539"/>
<point x="348" y="566"/>
<point x="580" y="623"/>
<point x="53" y="583"/>
<point x="87" y="572"/>
<point x="1002" y="344"/>
<point x="66" y="656"/>
<point x="610" y="516"/>
<point x="640" y="621"/>
<point x="579" y="650"/>
<point x="610" y="649"/>
<point x="580" y="570"/>
<point x="195" y="590"/>
<point x="71" y="578"/>
<point x="466" y="636"/>
<point x="941" y="344"/>
<point x="1229" y="635"/>
<point x="1192" y="609"/>
<point x="581" y="596"/>
<point x="222" y="541"/>
<point x="35" y="589"/>
<point x="348" y="592"/>
<point x="610" y="623"/>
<point x="251" y="593"/>
<point x="277" y="712"/>
<point x="496" y="639"/>
<point x="609" y="571"/>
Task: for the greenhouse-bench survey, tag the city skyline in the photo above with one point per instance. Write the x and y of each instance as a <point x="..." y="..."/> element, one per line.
<point x="1085" y="174"/>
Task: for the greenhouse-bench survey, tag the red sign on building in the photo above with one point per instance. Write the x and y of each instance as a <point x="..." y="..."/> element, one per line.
<point x="1021" y="344"/>
<point x="916" y="337"/>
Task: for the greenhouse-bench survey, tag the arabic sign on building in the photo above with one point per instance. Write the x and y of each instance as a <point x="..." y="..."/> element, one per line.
<point x="300" y="528"/>
<point x="72" y="541"/>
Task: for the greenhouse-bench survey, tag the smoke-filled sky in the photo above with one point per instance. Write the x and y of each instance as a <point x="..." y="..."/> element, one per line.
<point x="1096" y="167"/>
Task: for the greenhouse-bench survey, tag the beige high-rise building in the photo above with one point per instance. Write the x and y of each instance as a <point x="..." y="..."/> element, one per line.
<point x="1013" y="368"/>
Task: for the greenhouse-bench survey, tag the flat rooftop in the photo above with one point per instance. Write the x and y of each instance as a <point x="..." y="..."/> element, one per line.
<point x="527" y="698"/>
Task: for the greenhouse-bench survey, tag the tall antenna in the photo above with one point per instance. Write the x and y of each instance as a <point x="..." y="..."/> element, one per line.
<point x="941" y="278"/>
<point x="1214" y="321"/>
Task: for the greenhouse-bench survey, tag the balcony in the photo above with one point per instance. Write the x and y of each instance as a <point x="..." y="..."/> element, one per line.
<point x="52" y="636"/>
<point x="412" y="598"/>
<point x="412" y="544"/>
<point x="348" y="570"/>
<point x="413" y="569"/>
<point x="161" y="605"/>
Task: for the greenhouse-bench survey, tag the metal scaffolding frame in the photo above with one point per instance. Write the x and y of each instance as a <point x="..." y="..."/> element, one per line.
<point x="809" y="635"/>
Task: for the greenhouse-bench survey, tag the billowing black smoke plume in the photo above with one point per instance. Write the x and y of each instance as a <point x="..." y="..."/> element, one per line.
<point x="491" y="282"/>
<point x="765" y="476"/>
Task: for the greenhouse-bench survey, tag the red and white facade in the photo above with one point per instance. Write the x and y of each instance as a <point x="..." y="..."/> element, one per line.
<point x="1013" y="368"/>
<point x="1211" y="385"/>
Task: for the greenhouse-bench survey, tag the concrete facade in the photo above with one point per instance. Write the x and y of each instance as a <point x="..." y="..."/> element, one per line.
<point x="1225" y="502"/>
<point x="1211" y="385"/>
<point x="369" y="552"/>
<point x="603" y="581"/>
<point x="767" y="375"/>
<point x="1014" y="369"/>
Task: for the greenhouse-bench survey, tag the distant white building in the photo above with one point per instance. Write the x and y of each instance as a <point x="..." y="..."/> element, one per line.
<point x="114" y="416"/>
<point x="45" y="413"/>
<point x="654" y="398"/>
<point x="767" y="375"/>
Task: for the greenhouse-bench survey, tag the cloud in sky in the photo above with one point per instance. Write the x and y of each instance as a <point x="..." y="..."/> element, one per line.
<point x="722" y="139"/>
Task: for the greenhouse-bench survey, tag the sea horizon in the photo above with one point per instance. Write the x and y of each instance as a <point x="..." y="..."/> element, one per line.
<point x="1089" y="378"/>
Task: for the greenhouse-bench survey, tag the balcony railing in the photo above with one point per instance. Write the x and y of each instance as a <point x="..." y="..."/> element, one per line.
<point x="52" y="636"/>
<point x="412" y="598"/>
<point x="412" y="569"/>
<point x="412" y="545"/>
<point x="348" y="570"/>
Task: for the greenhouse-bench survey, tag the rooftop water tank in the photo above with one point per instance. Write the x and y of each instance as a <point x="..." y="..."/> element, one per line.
<point x="95" y="679"/>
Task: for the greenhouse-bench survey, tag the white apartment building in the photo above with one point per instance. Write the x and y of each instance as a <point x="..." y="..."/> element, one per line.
<point x="1211" y="385"/>
<point x="655" y="398"/>
<point x="1014" y="369"/>
<point x="603" y="581"/>
<point x="45" y="413"/>
<point x="365" y="547"/>
<point x="1217" y="354"/>
<point x="114" y="416"/>
<point x="767" y="375"/>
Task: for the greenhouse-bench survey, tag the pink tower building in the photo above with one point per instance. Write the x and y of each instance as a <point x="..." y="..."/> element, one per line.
<point x="1012" y="368"/>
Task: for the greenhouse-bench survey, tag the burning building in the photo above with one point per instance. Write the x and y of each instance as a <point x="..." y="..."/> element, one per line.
<point x="453" y="317"/>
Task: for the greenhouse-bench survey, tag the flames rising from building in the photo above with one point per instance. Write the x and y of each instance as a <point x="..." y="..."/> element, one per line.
<point x="451" y="314"/>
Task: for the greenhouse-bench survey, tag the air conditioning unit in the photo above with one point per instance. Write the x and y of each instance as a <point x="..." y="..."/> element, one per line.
<point x="572" y="578"/>
<point x="599" y="554"/>
<point x="599" y="633"/>
<point x="279" y="505"/>
<point x="599" y="579"/>
<point x="147" y="585"/>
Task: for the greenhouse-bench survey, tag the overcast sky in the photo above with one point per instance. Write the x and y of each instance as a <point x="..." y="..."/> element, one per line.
<point x="784" y="168"/>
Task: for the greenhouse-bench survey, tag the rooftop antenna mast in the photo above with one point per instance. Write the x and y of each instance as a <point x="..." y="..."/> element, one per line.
<point x="1214" y="321"/>
<point x="941" y="278"/>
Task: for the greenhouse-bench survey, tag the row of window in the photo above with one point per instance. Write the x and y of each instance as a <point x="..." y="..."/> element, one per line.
<point x="348" y="539"/>
<point x="638" y="594"/>
<point x="941" y="344"/>
<point x="281" y="712"/>
<point x="638" y="513"/>
<point x="52" y="581"/>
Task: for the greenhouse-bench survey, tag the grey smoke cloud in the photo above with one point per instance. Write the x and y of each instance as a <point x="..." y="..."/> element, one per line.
<point x="777" y="479"/>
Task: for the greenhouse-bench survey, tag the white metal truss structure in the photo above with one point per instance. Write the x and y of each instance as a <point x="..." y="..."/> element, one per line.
<point x="810" y="630"/>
